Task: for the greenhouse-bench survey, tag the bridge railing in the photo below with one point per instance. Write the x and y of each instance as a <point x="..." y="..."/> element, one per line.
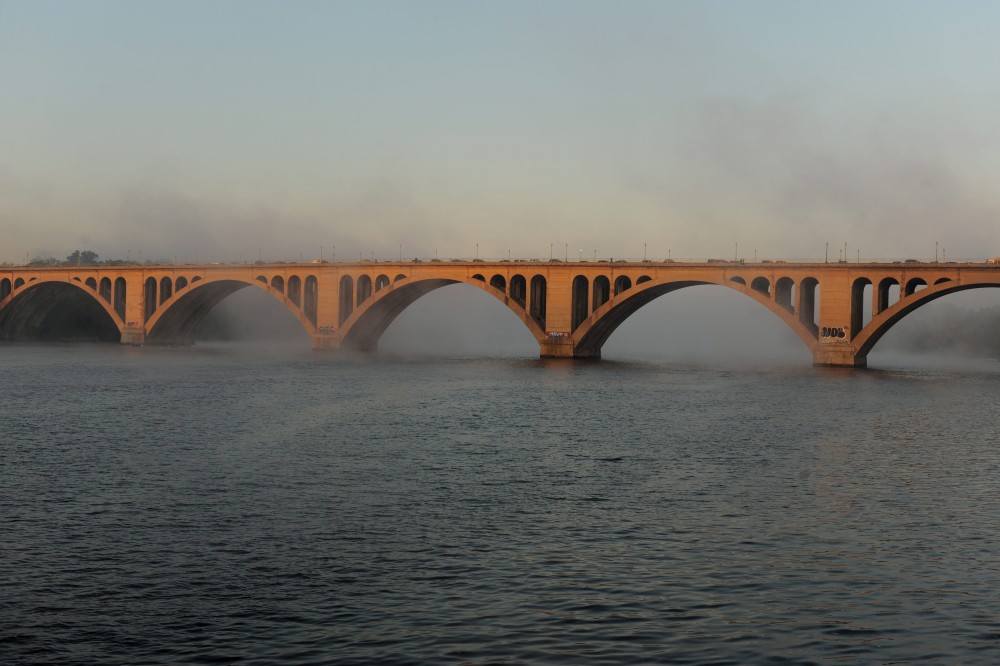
<point x="516" y="260"/>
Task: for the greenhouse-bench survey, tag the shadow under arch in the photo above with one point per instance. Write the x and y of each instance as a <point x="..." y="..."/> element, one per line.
<point x="596" y="329"/>
<point x="363" y="329"/>
<point x="51" y="310"/>
<point x="884" y="321"/>
<point x="175" y="322"/>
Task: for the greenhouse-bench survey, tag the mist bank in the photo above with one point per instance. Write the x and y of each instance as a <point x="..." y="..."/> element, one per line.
<point x="947" y="328"/>
<point x="700" y="323"/>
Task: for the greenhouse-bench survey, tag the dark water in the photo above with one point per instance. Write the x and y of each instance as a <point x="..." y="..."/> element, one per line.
<point x="221" y="504"/>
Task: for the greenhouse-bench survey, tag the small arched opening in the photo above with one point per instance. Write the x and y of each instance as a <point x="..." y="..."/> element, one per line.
<point x="105" y="289"/>
<point x="346" y="298"/>
<point x="861" y="299"/>
<point x="888" y="294"/>
<point x="295" y="289"/>
<point x="761" y="285"/>
<point x="149" y="297"/>
<point x="601" y="292"/>
<point x="518" y="289"/>
<point x="381" y="282"/>
<point x="120" y="295"/>
<point x="580" y="305"/>
<point x="914" y="285"/>
<point x="364" y="288"/>
<point x="809" y="303"/>
<point x="166" y="289"/>
<point x="622" y="283"/>
<point x="499" y="283"/>
<point x="783" y="293"/>
<point x="278" y="284"/>
<point x="537" y="303"/>
<point x="311" y="301"/>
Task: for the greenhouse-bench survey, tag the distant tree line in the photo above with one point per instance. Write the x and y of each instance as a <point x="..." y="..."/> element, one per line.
<point x="78" y="258"/>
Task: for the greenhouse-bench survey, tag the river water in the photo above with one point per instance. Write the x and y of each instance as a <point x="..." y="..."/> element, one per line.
<point x="223" y="503"/>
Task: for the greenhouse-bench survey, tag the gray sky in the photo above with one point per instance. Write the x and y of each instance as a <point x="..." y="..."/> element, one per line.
<point x="213" y="131"/>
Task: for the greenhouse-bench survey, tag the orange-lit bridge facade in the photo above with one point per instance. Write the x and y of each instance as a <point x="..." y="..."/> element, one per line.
<point x="839" y="311"/>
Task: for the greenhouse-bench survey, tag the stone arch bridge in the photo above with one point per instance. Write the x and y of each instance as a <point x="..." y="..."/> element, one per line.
<point x="839" y="311"/>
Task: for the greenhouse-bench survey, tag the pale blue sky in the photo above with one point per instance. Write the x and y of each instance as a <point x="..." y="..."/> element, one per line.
<point x="207" y="130"/>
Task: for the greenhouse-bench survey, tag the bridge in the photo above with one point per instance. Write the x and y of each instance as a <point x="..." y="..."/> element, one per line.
<point x="838" y="310"/>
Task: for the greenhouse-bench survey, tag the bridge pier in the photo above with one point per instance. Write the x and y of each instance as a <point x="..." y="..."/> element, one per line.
<point x="838" y="356"/>
<point x="325" y="342"/>
<point x="556" y="346"/>
<point x="133" y="335"/>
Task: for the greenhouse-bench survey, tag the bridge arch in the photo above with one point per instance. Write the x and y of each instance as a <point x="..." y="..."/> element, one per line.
<point x="57" y="309"/>
<point x="907" y="304"/>
<point x="177" y="320"/>
<point x="363" y="327"/>
<point x="591" y="335"/>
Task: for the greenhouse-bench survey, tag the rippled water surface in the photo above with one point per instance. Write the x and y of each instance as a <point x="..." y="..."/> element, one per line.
<point x="223" y="504"/>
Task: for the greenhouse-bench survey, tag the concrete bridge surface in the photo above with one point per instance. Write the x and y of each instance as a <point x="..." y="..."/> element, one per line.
<point x="838" y="310"/>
